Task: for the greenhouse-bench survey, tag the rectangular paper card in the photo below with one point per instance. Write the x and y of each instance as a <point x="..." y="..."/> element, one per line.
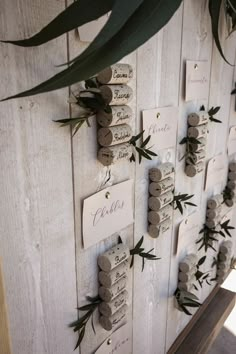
<point x="107" y="212"/>
<point x="232" y="141"/>
<point x="197" y="80"/>
<point x="118" y="343"/>
<point x="216" y="171"/>
<point x="188" y="232"/>
<point x="90" y="30"/>
<point x="161" y="125"/>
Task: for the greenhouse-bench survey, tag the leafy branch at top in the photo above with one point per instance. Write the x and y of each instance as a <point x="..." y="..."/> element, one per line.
<point x="139" y="250"/>
<point x="80" y="324"/>
<point x="143" y="151"/>
<point x="182" y="199"/>
<point x="186" y="299"/>
<point x="213" y="111"/>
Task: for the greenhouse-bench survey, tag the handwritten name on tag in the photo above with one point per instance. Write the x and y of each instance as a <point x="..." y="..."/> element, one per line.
<point x="188" y="233"/>
<point x="90" y="30"/>
<point x="161" y="124"/>
<point x="216" y="171"/>
<point x="107" y="212"/>
<point x="118" y="343"/>
<point x="197" y="80"/>
<point x="232" y="141"/>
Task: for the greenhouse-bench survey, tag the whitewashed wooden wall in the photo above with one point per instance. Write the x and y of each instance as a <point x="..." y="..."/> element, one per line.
<point x="45" y="175"/>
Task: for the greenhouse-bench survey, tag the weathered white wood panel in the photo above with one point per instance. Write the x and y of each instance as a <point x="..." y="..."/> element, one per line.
<point x="36" y="211"/>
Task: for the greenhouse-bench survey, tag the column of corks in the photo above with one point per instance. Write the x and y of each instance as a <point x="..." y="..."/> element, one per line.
<point x="115" y="133"/>
<point x="160" y="199"/>
<point x="197" y="129"/>
<point x="229" y="192"/>
<point x="187" y="271"/>
<point x="216" y="210"/>
<point x="224" y="261"/>
<point x="113" y="279"/>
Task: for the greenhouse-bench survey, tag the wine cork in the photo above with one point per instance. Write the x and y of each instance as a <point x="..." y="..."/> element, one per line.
<point x="158" y="230"/>
<point x="161" y="172"/>
<point x="220" y="280"/>
<point x="114" y="135"/>
<point x="231" y="185"/>
<point x="213" y="213"/>
<point x="185" y="286"/>
<point x="187" y="277"/>
<point x="113" y="154"/>
<point x="188" y="263"/>
<point x="215" y="201"/>
<point x="221" y="273"/>
<point x="232" y="176"/>
<point x="156" y="203"/>
<point x="156" y="217"/>
<point x="197" y="132"/>
<point x="224" y="257"/>
<point x="108" y="323"/>
<point x="195" y="158"/>
<point x="109" y="308"/>
<point x="116" y="94"/>
<point x="198" y="118"/>
<point x="119" y="115"/>
<point x="113" y="257"/>
<point x="223" y="265"/>
<point x="198" y="147"/>
<point x="158" y="188"/>
<point x="109" y="279"/>
<point x="108" y="294"/>
<point x="192" y="170"/>
<point x="116" y="74"/>
<point x="226" y="247"/>
<point x="232" y="166"/>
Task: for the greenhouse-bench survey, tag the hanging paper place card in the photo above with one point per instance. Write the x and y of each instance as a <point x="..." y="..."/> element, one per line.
<point x="118" y="343"/>
<point x="188" y="232"/>
<point x="107" y="212"/>
<point x="232" y="141"/>
<point x="90" y="30"/>
<point x="197" y="80"/>
<point x="161" y="125"/>
<point x="216" y="171"/>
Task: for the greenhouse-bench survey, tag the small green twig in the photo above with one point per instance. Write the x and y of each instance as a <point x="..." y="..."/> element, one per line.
<point x="207" y="238"/>
<point x="190" y="153"/>
<point x="225" y="228"/>
<point x="142" y="150"/>
<point x="138" y="250"/>
<point x="182" y="199"/>
<point x="200" y="276"/>
<point x="186" y="299"/>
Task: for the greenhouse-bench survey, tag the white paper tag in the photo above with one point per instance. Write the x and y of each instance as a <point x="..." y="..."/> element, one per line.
<point x="118" y="343"/>
<point x="232" y="141"/>
<point x="188" y="232"/>
<point x="161" y="124"/>
<point x="216" y="171"/>
<point x="107" y="212"/>
<point x="197" y="80"/>
<point x="90" y="30"/>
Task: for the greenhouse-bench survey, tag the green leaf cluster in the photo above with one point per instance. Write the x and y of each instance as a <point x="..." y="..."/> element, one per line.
<point x="190" y="152"/>
<point x="212" y="112"/>
<point x="142" y="150"/>
<point x="186" y="299"/>
<point x="182" y="199"/>
<point x="139" y="250"/>
<point x="200" y="276"/>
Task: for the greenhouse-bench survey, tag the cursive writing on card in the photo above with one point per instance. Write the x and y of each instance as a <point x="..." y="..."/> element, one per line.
<point x="107" y="212"/>
<point x="197" y="80"/>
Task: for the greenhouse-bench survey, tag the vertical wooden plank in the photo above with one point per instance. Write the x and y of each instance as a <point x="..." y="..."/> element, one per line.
<point x="158" y="86"/>
<point x="196" y="45"/>
<point x="5" y="344"/>
<point x="36" y="212"/>
<point x="90" y="176"/>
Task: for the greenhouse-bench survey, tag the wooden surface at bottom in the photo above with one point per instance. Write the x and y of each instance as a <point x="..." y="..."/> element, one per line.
<point x="208" y="326"/>
<point x="5" y="346"/>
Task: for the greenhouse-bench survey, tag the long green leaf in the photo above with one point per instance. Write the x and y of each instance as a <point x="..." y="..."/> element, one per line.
<point x="147" y="20"/>
<point x="76" y="15"/>
<point x="214" y="9"/>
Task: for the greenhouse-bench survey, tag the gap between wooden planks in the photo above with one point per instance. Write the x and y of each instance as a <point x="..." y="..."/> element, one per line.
<point x="5" y="345"/>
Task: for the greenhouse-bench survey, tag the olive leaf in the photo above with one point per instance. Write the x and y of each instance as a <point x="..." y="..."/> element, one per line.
<point x="207" y="237"/>
<point x="225" y="228"/>
<point x="143" y="151"/>
<point x="212" y="112"/>
<point x="190" y="151"/>
<point x="186" y="299"/>
<point x="182" y="199"/>
<point x="200" y="276"/>
<point x="138" y="250"/>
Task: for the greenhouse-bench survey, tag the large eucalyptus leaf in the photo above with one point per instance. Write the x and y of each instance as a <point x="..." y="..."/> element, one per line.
<point x="147" y="20"/>
<point x="77" y="14"/>
<point x="214" y="9"/>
